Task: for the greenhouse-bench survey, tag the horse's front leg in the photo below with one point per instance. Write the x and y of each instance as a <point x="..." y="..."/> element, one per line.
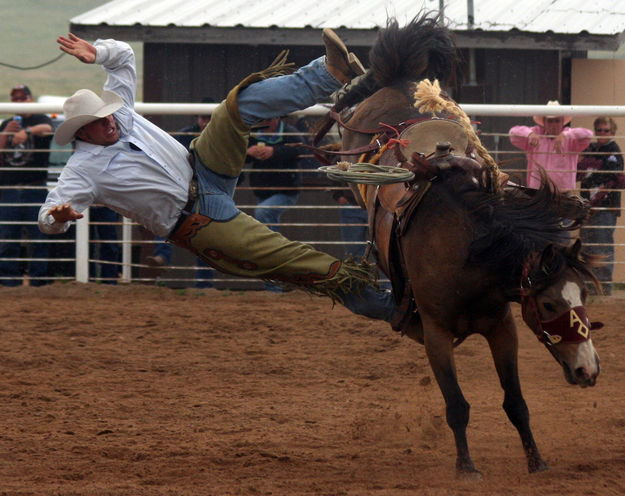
<point x="439" y="349"/>
<point x="503" y="344"/>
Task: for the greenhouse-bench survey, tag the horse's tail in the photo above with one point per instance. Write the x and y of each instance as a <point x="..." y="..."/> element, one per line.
<point x="423" y="48"/>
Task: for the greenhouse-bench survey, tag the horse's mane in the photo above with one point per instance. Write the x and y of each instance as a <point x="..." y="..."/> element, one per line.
<point x="515" y="224"/>
<point x="423" y="48"/>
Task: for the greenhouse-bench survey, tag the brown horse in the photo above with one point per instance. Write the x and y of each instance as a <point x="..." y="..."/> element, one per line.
<point x="459" y="254"/>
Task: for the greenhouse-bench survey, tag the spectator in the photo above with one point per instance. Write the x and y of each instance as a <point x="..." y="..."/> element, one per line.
<point x="161" y="256"/>
<point x="271" y="150"/>
<point x="354" y="224"/>
<point x="598" y="183"/>
<point x="553" y="147"/>
<point x="102" y="228"/>
<point x="189" y="133"/>
<point x="19" y="138"/>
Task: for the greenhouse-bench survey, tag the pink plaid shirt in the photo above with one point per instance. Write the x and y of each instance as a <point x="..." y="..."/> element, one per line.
<point x="561" y="167"/>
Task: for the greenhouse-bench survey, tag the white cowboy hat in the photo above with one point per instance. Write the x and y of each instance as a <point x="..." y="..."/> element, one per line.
<point x="84" y="107"/>
<point x="540" y="119"/>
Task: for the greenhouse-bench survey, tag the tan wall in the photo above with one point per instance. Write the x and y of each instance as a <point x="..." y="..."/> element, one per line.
<point x="602" y="82"/>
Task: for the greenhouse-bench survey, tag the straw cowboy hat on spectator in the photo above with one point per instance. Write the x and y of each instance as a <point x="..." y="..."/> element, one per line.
<point x="540" y="119"/>
<point x="84" y="107"/>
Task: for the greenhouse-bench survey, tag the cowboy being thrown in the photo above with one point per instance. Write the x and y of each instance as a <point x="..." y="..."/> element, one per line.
<point x="125" y="162"/>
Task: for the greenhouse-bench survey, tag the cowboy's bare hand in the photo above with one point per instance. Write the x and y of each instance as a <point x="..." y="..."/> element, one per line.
<point x="64" y="213"/>
<point x="79" y="48"/>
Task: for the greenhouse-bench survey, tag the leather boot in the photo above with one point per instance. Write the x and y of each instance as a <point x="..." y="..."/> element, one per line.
<point x="343" y="65"/>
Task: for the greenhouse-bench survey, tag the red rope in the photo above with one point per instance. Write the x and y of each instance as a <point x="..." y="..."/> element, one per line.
<point x="394" y="141"/>
<point x="390" y="127"/>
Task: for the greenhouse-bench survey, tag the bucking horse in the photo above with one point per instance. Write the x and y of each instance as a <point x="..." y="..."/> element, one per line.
<point x="458" y="241"/>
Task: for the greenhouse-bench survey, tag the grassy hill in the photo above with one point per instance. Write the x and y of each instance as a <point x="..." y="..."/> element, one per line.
<point x="29" y="31"/>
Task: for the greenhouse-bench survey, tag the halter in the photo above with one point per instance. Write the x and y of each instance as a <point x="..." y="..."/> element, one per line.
<point x="572" y="326"/>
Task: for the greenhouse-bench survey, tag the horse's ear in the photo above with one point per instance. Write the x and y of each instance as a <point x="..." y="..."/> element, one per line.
<point x="547" y="257"/>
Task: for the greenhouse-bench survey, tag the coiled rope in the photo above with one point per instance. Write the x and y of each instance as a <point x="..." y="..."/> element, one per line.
<point x="366" y="173"/>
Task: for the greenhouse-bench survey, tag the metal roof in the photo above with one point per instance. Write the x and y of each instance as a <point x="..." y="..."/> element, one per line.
<point x="536" y="16"/>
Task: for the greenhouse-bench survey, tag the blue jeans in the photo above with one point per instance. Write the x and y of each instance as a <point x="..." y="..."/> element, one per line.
<point x="355" y="236"/>
<point x="20" y="215"/>
<point x="262" y="100"/>
<point x="163" y="249"/>
<point x="600" y="241"/>
<point x="109" y="252"/>
<point x="282" y="95"/>
<point x="272" y="214"/>
<point x="203" y="277"/>
<point x="372" y="303"/>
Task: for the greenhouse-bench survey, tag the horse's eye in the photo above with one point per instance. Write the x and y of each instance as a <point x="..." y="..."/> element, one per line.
<point x="549" y="307"/>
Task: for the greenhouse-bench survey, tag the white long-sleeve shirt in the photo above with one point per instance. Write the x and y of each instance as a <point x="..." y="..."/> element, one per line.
<point x="149" y="186"/>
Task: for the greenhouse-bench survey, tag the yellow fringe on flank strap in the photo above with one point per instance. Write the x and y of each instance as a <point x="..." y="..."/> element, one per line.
<point x="428" y="99"/>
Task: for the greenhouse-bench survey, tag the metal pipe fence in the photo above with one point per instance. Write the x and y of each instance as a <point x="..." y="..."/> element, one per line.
<point x="313" y="220"/>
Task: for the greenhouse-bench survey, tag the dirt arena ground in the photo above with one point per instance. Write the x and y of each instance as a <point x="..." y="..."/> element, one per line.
<point x="140" y="390"/>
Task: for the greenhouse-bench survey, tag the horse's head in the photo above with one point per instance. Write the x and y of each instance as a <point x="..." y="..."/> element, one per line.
<point x="553" y="301"/>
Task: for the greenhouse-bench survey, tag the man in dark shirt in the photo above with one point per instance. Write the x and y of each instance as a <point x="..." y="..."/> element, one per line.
<point x="21" y="138"/>
<point x="269" y="151"/>
<point x="270" y="154"/>
<point x="600" y="173"/>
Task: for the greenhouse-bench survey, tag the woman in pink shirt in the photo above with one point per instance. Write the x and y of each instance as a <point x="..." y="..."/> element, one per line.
<point x="554" y="147"/>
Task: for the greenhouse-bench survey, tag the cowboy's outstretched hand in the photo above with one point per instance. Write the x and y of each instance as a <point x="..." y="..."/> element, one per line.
<point x="79" y="48"/>
<point x="64" y="213"/>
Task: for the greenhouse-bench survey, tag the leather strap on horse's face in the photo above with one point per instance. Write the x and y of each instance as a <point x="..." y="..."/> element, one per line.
<point x="572" y="326"/>
<point x="568" y="327"/>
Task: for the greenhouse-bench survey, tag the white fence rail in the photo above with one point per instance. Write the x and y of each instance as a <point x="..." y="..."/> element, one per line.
<point x="318" y="110"/>
<point x="128" y="230"/>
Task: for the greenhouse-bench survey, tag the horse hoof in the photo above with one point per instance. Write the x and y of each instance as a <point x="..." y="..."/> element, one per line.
<point x="469" y="475"/>
<point x="539" y="466"/>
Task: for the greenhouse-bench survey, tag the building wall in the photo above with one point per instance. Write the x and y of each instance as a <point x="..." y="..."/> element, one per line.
<point x="188" y="72"/>
<point x="599" y="82"/>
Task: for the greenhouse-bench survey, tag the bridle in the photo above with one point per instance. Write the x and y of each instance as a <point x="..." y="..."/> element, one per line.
<point x="572" y="326"/>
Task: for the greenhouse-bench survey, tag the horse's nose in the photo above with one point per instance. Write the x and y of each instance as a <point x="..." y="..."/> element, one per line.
<point x="584" y="379"/>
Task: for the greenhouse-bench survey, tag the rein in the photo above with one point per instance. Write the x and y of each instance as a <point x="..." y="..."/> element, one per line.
<point x="383" y="135"/>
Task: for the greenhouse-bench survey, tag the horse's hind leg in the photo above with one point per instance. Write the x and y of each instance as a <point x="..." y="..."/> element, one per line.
<point x="503" y="345"/>
<point x="439" y="348"/>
